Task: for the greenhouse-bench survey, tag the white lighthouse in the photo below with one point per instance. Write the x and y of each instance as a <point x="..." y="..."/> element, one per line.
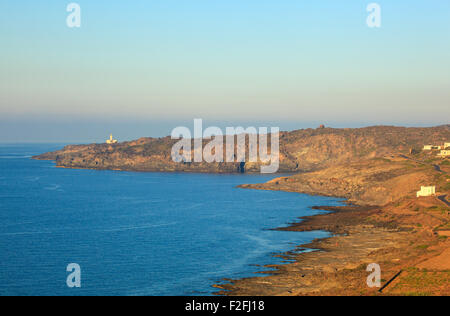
<point x="111" y="140"/>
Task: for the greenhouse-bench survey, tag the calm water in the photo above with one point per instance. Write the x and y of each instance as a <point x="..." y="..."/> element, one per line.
<point x="135" y="233"/>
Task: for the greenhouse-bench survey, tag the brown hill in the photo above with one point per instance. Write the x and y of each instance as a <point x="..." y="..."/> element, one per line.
<point x="376" y="181"/>
<point x="300" y="151"/>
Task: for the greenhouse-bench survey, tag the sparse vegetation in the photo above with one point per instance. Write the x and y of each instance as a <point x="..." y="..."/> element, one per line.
<point x="446" y="187"/>
<point x="416" y="281"/>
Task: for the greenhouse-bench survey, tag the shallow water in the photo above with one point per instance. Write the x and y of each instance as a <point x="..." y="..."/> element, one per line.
<point x="136" y="233"/>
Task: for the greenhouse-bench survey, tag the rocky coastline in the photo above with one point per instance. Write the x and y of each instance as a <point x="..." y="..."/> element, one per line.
<point x="377" y="170"/>
<point x="405" y="235"/>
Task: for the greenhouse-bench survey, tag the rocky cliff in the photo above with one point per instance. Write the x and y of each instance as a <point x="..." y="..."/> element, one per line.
<point x="300" y="151"/>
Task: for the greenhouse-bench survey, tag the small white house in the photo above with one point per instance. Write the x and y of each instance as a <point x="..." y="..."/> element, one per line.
<point x="444" y="153"/>
<point x="432" y="147"/>
<point x="427" y="191"/>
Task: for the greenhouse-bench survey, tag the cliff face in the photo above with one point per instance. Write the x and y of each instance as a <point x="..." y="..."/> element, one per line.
<point x="300" y="151"/>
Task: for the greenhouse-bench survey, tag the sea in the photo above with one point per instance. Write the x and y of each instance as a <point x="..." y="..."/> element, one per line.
<point x="131" y="233"/>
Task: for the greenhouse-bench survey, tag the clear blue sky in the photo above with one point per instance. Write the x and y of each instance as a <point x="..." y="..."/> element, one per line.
<point x="140" y="68"/>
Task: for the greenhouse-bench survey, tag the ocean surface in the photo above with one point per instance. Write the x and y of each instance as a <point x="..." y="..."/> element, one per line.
<point x="136" y="233"/>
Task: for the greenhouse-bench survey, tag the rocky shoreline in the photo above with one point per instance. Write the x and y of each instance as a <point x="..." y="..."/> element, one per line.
<point x="407" y="237"/>
<point x="315" y="271"/>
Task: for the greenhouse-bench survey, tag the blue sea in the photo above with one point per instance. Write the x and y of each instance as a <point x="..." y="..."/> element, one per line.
<point x="136" y="233"/>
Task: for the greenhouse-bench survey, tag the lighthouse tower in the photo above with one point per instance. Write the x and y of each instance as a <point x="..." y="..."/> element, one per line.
<point x="111" y="140"/>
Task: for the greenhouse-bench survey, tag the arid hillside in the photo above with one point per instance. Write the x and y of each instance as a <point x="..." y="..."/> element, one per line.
<point x="300" y="151"/>
<point x="376" y="181"/>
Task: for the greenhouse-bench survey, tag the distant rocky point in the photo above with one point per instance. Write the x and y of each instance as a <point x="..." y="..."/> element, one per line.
<point x="300" y="151"/>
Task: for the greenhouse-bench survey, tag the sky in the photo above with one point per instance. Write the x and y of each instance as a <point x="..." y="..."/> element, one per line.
<point x="143" y="67"/>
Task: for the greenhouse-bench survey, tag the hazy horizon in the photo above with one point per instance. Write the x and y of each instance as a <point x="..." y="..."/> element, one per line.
<point x="97" y="132"/>
<point x="142" y="68"/>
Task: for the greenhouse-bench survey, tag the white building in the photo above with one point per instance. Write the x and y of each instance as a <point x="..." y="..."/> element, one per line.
<point x="111" y="140"/>
<point x="446" y="145"/>
<point x="427" y="191"/>
<point x="432" y="147"/>
<point x="444" y="153"/>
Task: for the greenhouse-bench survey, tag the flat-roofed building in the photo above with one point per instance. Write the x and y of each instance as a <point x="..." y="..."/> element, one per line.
<point x="432" y="147"/>
<point x="444" y="153"/>
<point x="427" y="191"/>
